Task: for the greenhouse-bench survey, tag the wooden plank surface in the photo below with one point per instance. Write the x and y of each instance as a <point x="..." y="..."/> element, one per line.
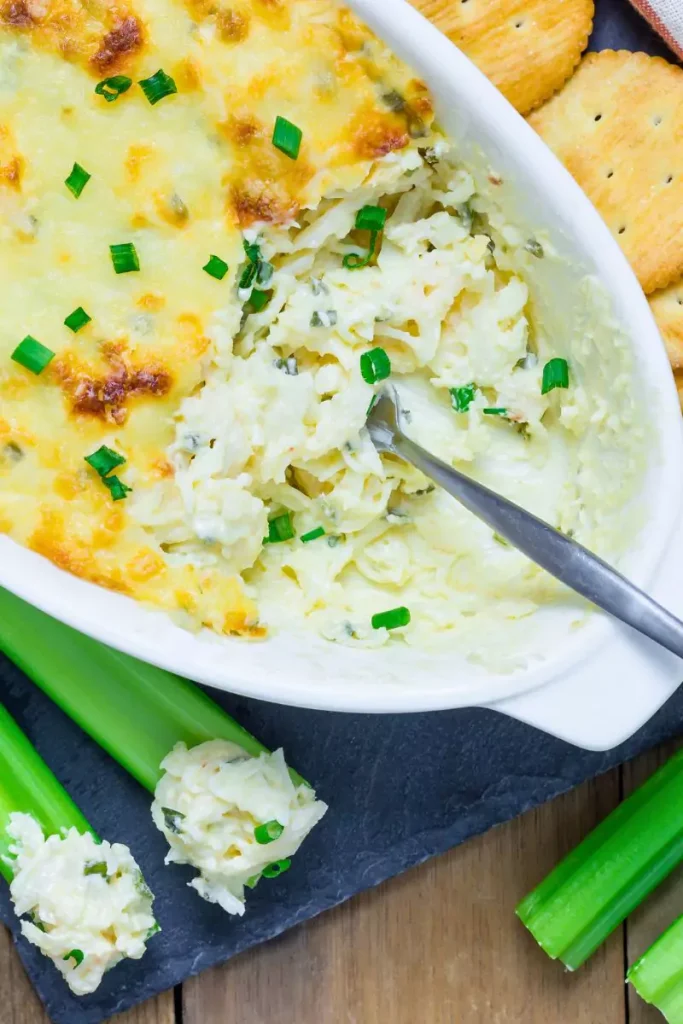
<point x="20" y="1005"/>
<point x="440" y="945"/>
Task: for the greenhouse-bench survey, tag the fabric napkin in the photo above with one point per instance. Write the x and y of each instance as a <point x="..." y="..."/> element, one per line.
<point x="666" y="18"/>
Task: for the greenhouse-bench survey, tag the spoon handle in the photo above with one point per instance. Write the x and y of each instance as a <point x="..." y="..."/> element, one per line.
<point x="562" y="557"/>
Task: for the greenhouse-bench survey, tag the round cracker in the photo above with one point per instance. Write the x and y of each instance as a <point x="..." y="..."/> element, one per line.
<point x="528" y="48"/>
<point x="667" y="307"/>
<point x="618" y="127"/>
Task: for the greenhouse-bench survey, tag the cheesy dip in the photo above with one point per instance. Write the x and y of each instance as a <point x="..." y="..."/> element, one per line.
<point x="224" y="225"/>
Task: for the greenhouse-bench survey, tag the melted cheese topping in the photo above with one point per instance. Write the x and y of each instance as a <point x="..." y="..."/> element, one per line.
<point x="179" y="180"/>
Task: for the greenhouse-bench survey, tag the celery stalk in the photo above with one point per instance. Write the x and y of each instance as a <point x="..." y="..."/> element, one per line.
<point x="136" y="712"/>
<point x="658" y="976"/>
<point x="27" y="786"/>
<point x="597" y="886"/>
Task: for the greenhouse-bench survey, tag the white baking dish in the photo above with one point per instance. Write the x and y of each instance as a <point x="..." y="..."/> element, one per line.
<point x="598" y="683"/>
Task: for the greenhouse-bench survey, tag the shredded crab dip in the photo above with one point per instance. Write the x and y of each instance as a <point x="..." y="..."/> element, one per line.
<point x="87" y="902"/>
<point x="234" y="817"/>
<point x="276" y="477"/>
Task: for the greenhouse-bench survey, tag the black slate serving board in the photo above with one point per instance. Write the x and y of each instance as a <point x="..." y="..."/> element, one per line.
<point x="401" y="789"/>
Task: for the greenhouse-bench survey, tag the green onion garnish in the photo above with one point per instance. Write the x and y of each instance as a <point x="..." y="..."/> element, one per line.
<point x="252" y="882"/>
<point x="258" y="300"/>
<point x="555" y="375"/>
<point x="124" y="257"/>
<point x="33" y="356"/>
<point x="277" y="868"/>
<point x="375" y="365"/>
<point x="248" y="276"/>
<point x="157" y="86"/>
<point x="253" y="251"/>
<point x="306" y="538"/>
<point x="372" y="219"/>
<point x="268" y="832"/>
<point x="100" y="868"/>
<point x="611" y="872"/>
<point x="287" y="137"/>
<point x="75" y="954"/>
<point x="495" y="412"/>
<point x="535" y="248"/>
<point x="393" y="619"/>
<point x="112" y="88"/>
<point x="172" y="819"/>
<point x="79" y="318"/>
<point x="116" y="487"/>
<point x="280" y="529"/>
<point x="462" y="398"/>
<point x="216" y="267"/>
<point x="104" y="460"/>
<point x="77" y="180"/>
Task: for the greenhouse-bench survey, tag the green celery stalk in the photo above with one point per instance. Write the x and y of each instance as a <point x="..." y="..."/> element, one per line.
<point x="28" y="786"/>
<point x="135" y="711"/>
<point x="597" y="886"/>
<point x="658" y="976"/>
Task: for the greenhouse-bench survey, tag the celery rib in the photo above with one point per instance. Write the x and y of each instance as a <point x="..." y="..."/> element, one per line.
<point x="597" y="886"/>
<point x="658" y="976"/>
<point x="135" y="711"/>
<point x="27" y="786"/>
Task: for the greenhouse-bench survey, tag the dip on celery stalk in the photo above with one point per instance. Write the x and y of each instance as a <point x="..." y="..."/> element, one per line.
<point x="225" y="803"/>
<point x="82" y="901"/>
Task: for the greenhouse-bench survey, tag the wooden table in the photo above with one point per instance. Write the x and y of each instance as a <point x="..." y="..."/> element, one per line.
<point x="440" y="945"/>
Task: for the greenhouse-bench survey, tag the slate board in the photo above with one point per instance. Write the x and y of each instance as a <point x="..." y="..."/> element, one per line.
<point x="401" y="789"/>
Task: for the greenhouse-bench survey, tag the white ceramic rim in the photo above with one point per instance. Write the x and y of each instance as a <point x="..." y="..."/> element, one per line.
<point x="101" y="614"/>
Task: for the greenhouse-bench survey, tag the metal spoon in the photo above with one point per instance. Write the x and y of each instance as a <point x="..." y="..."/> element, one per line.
<point x="562" y="557"/>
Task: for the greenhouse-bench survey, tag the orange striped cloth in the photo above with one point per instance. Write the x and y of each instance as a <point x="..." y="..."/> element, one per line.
<point x="666" y="17"/>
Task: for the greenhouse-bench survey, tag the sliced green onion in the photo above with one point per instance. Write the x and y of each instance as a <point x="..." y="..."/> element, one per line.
<point x="278" y="867"/>
<point x="157" y="86"/>
<point x="535" y="248"/>
<point x="657" y="976"/>
<point x="258" y="300"/>
<point x="154" y="930"/>
<point x="77" y="180"/>
<point x="75" y="954"/>
<point x="97" y="687"/>
<point x="265" y="272"/>
<point x="371" y="218"/>
<point x="496" y="411"/>
<point x="611" y="872"/>
<point x="33" y="356"/>
<point x="252" y="882"/>
<point x="100" y="868"/>
<point x="375" y="366"/>
<point x="373" y="402"/>
<point x="393" y="619"/>
<point x="248" y="276"/>
<point x="555" y="375"/>
<point x="112" y="88"/>
<point x="462" y="398"/>
<point x="27" y="786"/>
<point x="104" y="460"/>
<point x="306" y="538"/>
<point x="268" y="832"/>
<point x="253" y="251"/>
<point x="124" y="257"/>
<point x="116" y="487"/>
<point x="216" y="267"/>
<point x="172" y="819"/>
<point x="280" y="529"/>
<point x="287" y="137"/>
<point x="76" y="320"/>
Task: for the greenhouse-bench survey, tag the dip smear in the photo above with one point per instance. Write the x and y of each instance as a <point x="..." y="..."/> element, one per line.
<point x="416" y="277"/>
